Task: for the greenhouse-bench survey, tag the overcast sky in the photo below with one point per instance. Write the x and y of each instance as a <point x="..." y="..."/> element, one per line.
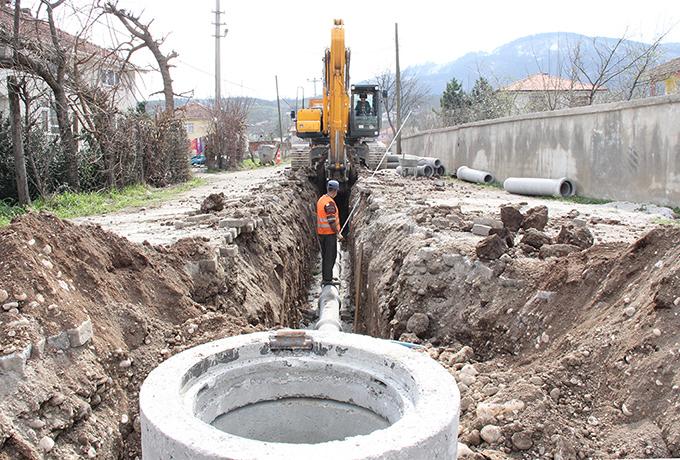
<point x="287" y="38"/>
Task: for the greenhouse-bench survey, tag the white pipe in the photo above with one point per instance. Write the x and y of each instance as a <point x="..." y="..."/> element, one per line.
<point x="474" y="175"/>
<point x="434" y="162"/>
<point x="536" y="186"/>
<point x="329" y="309"/>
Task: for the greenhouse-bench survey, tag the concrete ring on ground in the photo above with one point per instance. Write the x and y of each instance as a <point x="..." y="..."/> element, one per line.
<point x="299" y="394"/>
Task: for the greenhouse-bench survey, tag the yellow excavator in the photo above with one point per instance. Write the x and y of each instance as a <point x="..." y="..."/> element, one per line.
<point x="342" y="126"/>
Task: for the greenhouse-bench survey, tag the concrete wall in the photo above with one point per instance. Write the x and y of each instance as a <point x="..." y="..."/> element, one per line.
<point x="619" y="151"/>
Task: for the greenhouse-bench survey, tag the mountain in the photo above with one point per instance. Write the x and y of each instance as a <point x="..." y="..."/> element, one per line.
<point x="522" y="57"/>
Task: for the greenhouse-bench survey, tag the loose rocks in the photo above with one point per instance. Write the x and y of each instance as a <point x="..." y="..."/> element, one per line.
<point x="522" y="440"/>
<point x="46" y="444"/>
<point x="3" y="295"/>
<point x="491" y="247"/>
<point x="418" y="323"/>
<point x="511" y="218"/>
<point x="535" y="238"/>
<point x="536" y="218"/>
<point x="577" y="236"/>
<point x="557" y="250"/>
<point x="213" y="202"/>
<point x="491" y="434"/>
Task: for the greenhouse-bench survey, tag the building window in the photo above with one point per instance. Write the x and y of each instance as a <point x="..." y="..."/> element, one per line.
<point x="189" y="127"/>
<point x="109" y="77"/>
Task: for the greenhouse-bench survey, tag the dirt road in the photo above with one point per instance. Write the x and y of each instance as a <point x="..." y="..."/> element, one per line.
<point x="156" y="223"/>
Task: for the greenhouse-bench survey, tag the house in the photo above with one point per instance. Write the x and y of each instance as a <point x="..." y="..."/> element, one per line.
<point x="197" y="118"/>
<point x="665" y="78"/>
<point x="541" y="92"/>
<point x="97" y="67"/>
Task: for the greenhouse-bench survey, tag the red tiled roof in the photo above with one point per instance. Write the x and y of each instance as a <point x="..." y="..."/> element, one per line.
<point x="545" y="82"/>
<point x="196" y="111"/>
<point x="38" y="30"/>
<point x="665" y="70"/>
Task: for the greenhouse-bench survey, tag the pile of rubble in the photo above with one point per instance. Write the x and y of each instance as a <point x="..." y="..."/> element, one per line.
<point x="85" y="314"/>
<point x="563" y="346"/>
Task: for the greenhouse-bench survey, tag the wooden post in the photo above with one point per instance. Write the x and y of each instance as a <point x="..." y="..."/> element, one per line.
<point x="358" y="286"/>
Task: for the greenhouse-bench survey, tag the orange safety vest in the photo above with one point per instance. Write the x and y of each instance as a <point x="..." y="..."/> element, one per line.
<point x="327" y="216"/>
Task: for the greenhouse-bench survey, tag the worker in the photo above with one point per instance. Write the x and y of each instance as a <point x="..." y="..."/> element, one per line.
<point x="363" y="107"/>
<point x="328" y="230"/>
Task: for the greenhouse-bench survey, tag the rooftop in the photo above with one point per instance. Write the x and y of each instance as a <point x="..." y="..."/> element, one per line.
<point x="664" y="70"/>
<point x="545" y="82"/>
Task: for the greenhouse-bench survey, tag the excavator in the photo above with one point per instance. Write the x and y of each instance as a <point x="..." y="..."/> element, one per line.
<point x="340" y="127"/>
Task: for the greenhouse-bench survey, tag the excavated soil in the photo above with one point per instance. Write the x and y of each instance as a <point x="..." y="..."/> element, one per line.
<point x="566" y="357"/>
<point x="76" y="394"/>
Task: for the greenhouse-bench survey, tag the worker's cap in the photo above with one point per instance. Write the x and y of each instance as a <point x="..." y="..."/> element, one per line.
<point x="333" y="185"/>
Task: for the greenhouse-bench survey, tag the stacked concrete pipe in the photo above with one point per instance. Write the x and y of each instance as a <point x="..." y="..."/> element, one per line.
<point x="562" y="187"/>
<point x="299" y="394"/>
<point x="476" y="176"/>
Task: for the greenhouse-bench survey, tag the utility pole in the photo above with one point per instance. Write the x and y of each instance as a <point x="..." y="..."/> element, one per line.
<point x="218" y="52"/>
<point x="278" y="105"/>
<point x="398" y="84"/>
<point x="314" y="80"/>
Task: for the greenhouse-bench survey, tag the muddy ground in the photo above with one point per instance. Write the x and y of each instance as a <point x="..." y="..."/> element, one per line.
<point x="561" y="326"/>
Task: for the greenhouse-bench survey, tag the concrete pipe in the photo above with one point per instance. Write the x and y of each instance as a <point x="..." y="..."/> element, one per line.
<point x="474" y="175"/>
<point x="535" y="186"/>
<point x="329" y="309"/>
<point x="424" y="171"/>
<point x="440" y="171"/>
<point x="434" y="162"/>
<point x="299" y="394"/>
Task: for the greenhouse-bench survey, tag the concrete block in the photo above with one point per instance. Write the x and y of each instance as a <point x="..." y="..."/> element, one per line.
<point x="197" y="218"/>
<point x="232" y="222"/>
<point x="235" y="231"/>
<point x="488" y="221"/>
<point x="79" y="336"/>
<point x="249" y="227"/>
<point x="229" y="238"/>
<point x="59" y="341"/>
<point x="229" y="251"/>
<point x="14" y="364"/>
<point x="481" y="230"/>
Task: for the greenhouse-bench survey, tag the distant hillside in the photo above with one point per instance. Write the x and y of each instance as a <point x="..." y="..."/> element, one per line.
<point x="517" y="59"/>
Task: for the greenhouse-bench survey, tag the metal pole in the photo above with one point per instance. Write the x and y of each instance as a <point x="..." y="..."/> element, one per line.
<point x="278" y="105"/>
<point x="313" y="80"/>
<point x="398" y="84"/>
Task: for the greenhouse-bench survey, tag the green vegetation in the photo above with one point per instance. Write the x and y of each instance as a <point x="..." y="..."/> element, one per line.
<point x="68" y="205"/>
<point x="250" y="164"/>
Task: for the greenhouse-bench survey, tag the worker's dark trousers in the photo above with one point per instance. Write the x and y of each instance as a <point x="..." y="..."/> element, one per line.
<point x="329" y="251"/>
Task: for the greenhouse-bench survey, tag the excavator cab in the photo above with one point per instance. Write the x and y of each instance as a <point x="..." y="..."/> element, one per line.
<point x="365" y="112"/>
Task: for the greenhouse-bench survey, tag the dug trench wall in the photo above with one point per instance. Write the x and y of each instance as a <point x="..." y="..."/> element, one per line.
<point x="85" y="314"/>
<point x="618" y="151"/>
<point x="569" y="356"/>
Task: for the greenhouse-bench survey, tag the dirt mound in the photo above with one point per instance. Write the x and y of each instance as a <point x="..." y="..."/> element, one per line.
<point x="89" y="314"/>
<point x="572" y="356"/>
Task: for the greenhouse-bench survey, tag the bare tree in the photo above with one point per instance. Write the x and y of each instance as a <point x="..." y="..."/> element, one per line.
<point x="413" y="94"/>
<point x="226" y="144"/>
<point x="622" y="62"/>
<point x="49" y="62"/>
<point x="15" y="121"/>
<point x="140" y="31"/>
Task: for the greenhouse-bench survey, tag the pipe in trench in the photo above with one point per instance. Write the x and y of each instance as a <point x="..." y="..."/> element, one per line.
<point x="562" y="187"/>
<point x="329" y="304"/>
<point x="474" y="175"/>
